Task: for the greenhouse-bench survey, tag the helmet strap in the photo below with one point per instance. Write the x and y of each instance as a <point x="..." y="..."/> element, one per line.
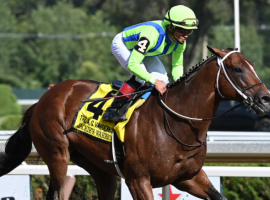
<point x="177" y="40"/>
<point x="171" y="32"/>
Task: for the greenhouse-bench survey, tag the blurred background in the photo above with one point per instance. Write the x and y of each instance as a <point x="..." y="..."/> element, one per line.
<point x="48" y="41"/>
<point x="44" y="42"/>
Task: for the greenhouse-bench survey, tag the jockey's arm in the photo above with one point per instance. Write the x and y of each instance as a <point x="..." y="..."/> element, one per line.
<point x="177" y="62"/>
<point x="145" y="43"/>
<point x="134" y="65"/>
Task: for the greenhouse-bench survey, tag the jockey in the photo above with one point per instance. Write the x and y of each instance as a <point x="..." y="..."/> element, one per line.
<point x="137" y="49"/>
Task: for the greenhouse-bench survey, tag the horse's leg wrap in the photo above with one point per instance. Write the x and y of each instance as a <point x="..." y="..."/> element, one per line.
<point x="112" y="113"/>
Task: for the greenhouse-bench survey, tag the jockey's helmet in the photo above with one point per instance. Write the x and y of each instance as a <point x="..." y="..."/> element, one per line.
<point x="181" y="16"/>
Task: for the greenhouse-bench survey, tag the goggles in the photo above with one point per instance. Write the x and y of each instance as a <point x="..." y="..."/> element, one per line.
<point x="189" y="22"/>
<point x="182" y="31"/>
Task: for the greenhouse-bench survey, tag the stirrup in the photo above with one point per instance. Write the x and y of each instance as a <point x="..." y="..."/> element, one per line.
<point x="111" y="114"/>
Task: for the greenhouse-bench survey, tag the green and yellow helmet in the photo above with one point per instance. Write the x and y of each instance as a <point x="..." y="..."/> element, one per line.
<point x="181" y="16"/>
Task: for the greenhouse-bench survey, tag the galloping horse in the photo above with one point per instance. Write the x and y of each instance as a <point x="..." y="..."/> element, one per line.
<point x="160" y="147"/>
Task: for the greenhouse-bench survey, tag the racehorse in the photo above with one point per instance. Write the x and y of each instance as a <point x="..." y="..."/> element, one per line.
<point x="160" y="147"/>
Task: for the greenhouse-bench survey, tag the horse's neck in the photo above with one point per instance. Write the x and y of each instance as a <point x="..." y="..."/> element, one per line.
<point x="196" y="96"/>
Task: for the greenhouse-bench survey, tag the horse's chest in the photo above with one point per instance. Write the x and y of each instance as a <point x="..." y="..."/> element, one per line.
<point x="184" y="167"/>
<point x="188" y="165"/>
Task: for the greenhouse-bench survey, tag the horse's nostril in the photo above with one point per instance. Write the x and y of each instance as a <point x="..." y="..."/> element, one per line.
<point x="265" y="99"/>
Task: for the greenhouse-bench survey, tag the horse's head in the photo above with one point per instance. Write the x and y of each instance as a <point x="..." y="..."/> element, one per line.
<point x="237" y="80"/>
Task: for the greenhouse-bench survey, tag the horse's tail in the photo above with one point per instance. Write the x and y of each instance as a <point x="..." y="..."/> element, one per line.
<point x="18" y="146"/>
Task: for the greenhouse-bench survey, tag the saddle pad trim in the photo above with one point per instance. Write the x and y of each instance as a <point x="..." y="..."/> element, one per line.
<point x="88" y="122"/>
<point x="104" y="135"/>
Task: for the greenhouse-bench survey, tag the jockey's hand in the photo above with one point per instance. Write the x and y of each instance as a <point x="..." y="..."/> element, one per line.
<point x="160" y="86"/>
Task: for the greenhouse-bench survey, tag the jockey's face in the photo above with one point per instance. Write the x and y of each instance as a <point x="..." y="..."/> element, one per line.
<point x="177" y="36"/>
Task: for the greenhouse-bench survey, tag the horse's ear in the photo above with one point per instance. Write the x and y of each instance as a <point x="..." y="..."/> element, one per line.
<point x="217" y="52"/>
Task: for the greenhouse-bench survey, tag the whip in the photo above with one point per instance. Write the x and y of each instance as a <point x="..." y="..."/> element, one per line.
<point x="102" y="99"/>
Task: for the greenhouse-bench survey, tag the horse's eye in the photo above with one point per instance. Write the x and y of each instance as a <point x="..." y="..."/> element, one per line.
<point x="237" y="70"/>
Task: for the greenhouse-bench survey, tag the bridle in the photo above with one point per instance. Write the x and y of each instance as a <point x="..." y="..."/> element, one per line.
<point x="247" y="100"/>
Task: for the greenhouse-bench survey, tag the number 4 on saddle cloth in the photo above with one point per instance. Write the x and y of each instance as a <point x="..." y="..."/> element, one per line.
<point x="88" y="119"/>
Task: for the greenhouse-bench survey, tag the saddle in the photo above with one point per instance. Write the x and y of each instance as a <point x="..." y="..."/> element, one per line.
<point x="88" y="119"/>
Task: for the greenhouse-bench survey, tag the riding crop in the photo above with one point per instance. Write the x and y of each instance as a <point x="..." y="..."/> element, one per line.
<point x="102" y="99"/>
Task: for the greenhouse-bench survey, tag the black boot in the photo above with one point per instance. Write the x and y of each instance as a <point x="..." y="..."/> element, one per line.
<point x="120" y="105"/>
<point x="112" y="113"/>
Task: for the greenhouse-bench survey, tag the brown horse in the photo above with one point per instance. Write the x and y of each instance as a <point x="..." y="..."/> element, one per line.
<point x="154" y="157"/>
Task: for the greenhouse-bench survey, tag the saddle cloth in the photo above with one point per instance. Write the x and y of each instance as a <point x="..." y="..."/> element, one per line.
<point x="88" y="119"/>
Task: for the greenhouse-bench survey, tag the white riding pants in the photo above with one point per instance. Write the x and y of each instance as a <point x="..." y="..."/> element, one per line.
<point x="152" y="64"/>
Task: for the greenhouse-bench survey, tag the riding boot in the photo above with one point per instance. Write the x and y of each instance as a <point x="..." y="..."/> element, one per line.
<point x="112" y="113"/>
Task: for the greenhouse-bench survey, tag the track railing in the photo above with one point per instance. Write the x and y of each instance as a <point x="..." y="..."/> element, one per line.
<point x="211" y="136"/>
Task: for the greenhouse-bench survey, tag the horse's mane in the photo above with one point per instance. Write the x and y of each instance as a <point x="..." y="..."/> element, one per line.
<point x="194" y="69"/>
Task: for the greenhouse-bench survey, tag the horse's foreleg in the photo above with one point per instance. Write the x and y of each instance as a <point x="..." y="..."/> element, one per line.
<point x="140" y="189"/>
<point x="200" y="186"/>
<point x="106" y="183"/>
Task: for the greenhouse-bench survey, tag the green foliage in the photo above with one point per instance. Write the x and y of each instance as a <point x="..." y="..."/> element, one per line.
<point x="11" y="122"/>
<point x="8" y="46"/>
<point x="127" y="13"/>
<point x="90" y="69"/>
<point x="68" y="54"/>
<point x="36" y="62"/>
<point x="8" y="101"/>
<point x="223" y="38"/>
<point x="41" y="61"/>
<point x="11" y="80"/>
<point x="245" y="188"/>
<point x="84" y="188"/>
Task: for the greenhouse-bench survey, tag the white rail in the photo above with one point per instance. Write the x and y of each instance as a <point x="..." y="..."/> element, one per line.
<point x="210" y="171"/>
<point x="4" y="135"/>
<point x="211" y="136"/>
<point x="237" y="136"/>
<point x="27" y="101"/>
<point x="43" y="170"/>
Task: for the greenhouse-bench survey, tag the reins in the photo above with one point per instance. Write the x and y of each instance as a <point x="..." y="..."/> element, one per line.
<point x="247" y="100"/>
<point x="184" y="117"/>
<point x="195" y="119"/>
<point x="166" y="119"/>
